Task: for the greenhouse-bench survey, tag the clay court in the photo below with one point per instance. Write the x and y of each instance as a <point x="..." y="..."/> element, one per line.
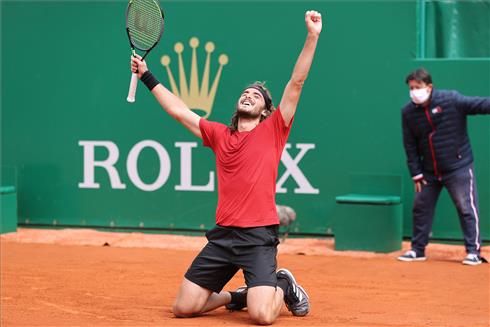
<point x="90" y="278"/>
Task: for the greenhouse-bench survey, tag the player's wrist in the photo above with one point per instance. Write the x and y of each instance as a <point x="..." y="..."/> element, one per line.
<point x="313" y="35"/>
<point x="149" y="80"/>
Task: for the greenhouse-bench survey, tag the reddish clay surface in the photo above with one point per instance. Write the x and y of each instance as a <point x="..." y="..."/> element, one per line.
<point x="68" y="278"/>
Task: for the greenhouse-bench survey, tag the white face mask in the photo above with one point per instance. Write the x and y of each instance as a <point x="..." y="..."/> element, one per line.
<point x="419" y="96"/>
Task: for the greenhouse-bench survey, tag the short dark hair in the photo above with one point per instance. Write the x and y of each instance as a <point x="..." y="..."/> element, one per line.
<point x="419" y="75"/>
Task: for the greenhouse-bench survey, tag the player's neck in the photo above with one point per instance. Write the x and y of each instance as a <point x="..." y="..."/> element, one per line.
<point x="247" y="124"/>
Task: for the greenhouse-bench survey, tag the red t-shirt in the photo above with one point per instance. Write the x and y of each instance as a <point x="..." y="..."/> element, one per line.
<point x="246" y="164"/>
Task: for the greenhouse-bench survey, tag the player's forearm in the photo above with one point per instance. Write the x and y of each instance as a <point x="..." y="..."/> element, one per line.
<point x="171" y="103"/>
<point x="177" y="109"/>
<point x="305" y="59"/>
<point x="292" y="92"/>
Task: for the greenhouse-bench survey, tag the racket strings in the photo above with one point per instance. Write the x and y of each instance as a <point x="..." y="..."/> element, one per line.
<point x="145" y="23"/>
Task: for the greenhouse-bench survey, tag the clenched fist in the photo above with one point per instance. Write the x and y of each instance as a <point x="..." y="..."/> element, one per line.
<point x="313" y="21"/>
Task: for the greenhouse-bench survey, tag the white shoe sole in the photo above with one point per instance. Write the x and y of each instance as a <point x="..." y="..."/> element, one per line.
<point x="411" y="259"/>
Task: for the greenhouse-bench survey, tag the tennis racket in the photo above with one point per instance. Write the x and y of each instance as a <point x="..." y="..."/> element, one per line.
<point x="144" y="25"/>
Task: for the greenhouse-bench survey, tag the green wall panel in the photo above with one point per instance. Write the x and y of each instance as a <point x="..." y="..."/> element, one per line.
<point x="458" y="29"/>
<point x="65" y="80"/>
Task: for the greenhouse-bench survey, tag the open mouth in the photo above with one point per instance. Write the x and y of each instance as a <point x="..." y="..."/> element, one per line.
<point x="247" y="103"/>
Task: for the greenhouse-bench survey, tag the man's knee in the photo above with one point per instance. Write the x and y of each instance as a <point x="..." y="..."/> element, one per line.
<point x="190" y="300"/>
<point x="263" y="304"/>
<point x="181" y="310"/>
<point x="262" y="316"/>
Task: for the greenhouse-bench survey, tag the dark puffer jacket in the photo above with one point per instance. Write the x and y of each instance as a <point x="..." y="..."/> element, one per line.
<point x="435" y="136"/>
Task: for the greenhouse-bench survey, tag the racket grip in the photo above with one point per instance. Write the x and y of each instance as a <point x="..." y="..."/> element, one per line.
<point x="132" y="88"/>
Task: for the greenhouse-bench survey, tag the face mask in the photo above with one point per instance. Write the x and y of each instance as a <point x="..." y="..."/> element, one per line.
<point x="419" y="96"/>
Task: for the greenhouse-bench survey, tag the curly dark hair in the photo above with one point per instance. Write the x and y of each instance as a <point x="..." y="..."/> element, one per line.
<point x="269" y="107"/>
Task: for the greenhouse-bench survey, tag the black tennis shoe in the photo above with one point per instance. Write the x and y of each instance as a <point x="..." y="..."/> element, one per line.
<point x="236" y="306"/>
<point x="296" y="298"/>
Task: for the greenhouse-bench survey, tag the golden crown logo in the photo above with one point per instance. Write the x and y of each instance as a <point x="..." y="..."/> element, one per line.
<point x="195" y="97"/>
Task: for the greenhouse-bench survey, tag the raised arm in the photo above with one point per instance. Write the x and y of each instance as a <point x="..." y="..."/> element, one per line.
<point x="292" y="92"/>
<point x="171" y="103"/>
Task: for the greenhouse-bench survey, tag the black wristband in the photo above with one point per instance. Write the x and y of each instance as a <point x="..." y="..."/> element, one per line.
<point x="149" y="80"/>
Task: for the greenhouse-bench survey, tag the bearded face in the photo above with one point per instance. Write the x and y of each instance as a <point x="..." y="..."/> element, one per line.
<point x="251" y="104"/>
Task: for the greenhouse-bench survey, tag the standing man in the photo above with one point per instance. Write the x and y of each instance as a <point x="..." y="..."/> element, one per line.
<point x="439" y="155"/>
<point x="248" y="153"/>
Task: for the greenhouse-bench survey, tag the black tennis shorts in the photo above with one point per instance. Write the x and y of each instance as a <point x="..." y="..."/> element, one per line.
<point x="229" y="249"/>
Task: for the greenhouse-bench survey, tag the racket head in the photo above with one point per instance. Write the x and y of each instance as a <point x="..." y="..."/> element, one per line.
<point x="144" y="24"/>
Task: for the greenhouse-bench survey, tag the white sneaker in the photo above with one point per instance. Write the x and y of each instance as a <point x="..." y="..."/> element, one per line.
<point x="411" y="256"/>
<point x="472" y="260"/>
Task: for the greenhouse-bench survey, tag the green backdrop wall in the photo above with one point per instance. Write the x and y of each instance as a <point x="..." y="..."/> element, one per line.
<point x="65" y="75"/>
